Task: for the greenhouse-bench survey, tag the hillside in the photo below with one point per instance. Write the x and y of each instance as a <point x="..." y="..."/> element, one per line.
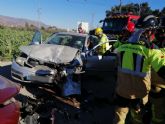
<point x="19" y="22"/>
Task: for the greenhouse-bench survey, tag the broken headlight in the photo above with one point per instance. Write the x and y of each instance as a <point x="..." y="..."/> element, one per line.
<point x="20" y="61"/>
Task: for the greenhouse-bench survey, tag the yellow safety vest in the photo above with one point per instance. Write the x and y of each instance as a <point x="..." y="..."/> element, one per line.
<point x="134" y="69"/>
<point x="104" y="47"/>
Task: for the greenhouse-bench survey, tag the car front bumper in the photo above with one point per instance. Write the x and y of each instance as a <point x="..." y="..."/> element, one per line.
<point x="25" y="74"/>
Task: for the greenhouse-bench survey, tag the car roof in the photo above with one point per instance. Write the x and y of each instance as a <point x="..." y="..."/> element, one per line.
<point x="73" y="33"/>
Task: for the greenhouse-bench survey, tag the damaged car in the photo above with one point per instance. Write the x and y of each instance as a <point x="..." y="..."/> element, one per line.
<point x="63" y="57"/>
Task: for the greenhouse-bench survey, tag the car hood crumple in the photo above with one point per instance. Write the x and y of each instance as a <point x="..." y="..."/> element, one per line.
<point x="50" y="53"/>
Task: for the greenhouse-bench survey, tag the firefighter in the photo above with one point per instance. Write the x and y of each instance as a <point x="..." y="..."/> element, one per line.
<point x="153" y="111"/>
<point x="102" y="38"/>
<point x="157" y="93"/>
<point x="135" y="59"/>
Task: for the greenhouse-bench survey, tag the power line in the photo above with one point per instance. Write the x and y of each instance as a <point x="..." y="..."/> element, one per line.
<point x="120" y="6"/>
<point x="92" y="21"/>
<point x="39" y="12"/>
<point x="39" y="17"/>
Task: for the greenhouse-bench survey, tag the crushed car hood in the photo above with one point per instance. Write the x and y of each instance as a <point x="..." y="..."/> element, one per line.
<point x="50" y="53"/>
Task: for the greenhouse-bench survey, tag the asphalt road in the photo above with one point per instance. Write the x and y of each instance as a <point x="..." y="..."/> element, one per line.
<point x="97" y="92"/>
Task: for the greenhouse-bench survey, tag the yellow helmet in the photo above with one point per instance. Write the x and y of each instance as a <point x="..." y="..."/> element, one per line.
<point x="98" y="31"/>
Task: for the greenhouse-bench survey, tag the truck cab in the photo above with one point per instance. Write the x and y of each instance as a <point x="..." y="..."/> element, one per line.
<point x="115" y="24"/>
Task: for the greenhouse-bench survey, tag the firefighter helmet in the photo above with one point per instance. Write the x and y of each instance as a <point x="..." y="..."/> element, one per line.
<point x="98" y="31"/>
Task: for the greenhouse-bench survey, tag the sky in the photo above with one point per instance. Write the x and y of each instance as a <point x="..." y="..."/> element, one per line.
<point x="66" y="13"/>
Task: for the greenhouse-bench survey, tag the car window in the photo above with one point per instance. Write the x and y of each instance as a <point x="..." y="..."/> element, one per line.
<point x="91" y="42"/>
<point x="115" y="23"/>
<point x="133" y="20"/>
<point x="95" y="40"/>
<point x="75" y="41"/>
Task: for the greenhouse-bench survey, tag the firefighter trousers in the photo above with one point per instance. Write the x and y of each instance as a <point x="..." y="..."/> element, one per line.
<point x="124" y="105"/>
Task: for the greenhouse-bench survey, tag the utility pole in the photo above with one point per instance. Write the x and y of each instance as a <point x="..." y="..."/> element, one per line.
<point x="120" y="6"/>
<point x="38" y="14"/>
<point x="39" y="17"/>
<point x="139" y="8"/>
<point x="92" y="21"/>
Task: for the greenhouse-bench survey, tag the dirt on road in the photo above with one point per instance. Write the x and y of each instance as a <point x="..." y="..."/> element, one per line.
<point x="94" y="102"/>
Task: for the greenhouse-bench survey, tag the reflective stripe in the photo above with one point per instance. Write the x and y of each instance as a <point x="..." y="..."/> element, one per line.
<point x="139" y="63"/>
<point x="134" y="73"/>
<point x="134" y="61"/>
<point x="121" y="58"/>
<point x="142" y="62"/>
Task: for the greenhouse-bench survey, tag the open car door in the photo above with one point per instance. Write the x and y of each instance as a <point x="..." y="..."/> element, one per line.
<point x="100" y="63"/>
<point x="37" y="38"/>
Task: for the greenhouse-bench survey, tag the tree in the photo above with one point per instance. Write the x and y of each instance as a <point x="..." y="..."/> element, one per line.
<point x="138" y="9"/>
<point x="145" y="9"/>
<point x="42" y="28"/>
<point x="163" y="12"/>
<point x="156" y="12"/>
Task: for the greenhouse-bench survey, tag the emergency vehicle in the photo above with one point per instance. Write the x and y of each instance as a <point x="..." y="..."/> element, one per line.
<point x="117" y="23"/>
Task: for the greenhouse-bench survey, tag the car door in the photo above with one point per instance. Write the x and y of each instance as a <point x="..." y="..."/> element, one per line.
<point x="100" y="63"/>
<point x="37" y="38"/>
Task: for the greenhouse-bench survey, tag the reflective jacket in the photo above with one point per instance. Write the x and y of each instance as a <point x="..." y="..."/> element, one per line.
<point x="134" y="69"/>
<point x="156" y="80"/>
<point x="104" y="47"/>
<point x="117" y="44"/>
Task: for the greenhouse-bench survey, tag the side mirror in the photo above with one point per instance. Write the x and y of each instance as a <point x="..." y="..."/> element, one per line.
<point x="131" y="27"/>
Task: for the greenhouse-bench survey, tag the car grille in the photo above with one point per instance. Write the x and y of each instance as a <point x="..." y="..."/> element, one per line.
<point x="17" y="76"/>
<point x="15" y="71"/>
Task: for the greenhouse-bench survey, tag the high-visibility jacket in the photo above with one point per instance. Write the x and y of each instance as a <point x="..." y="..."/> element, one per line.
<point x="163" y="51"/>
<point x="117" y="44"/>
<point x="134" y="69"/>
<point x="156" y="80"/>
<point x="104" y="47"/>
<point x="158" y="113"/>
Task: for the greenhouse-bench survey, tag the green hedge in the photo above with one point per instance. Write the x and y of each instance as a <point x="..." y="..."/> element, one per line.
<point x="11" y="39"/>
